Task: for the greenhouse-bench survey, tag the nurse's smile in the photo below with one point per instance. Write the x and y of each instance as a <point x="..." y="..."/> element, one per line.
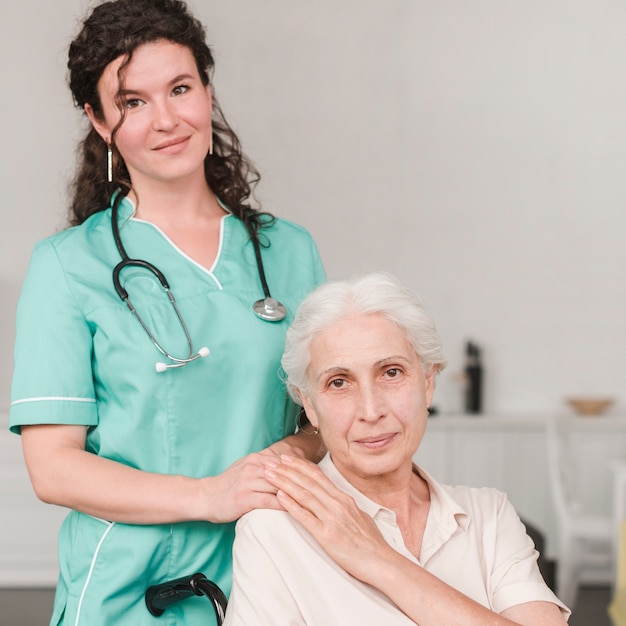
<point x="173" y="146"/>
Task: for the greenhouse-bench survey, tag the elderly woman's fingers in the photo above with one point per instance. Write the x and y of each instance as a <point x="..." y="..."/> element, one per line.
<point x="306" y="486"/>
<point x="301" y="514"/>
<point x="302" y="480"/>
<point x="311" y="490"/>
<point x="348" y="534"/>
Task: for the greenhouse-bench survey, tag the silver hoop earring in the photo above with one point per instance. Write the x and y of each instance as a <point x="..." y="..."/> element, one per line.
<point x="109" y="163"/>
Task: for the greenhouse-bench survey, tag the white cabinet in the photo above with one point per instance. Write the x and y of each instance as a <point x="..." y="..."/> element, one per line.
<point x="509" y="453"/>
<point x="504" y="452"/>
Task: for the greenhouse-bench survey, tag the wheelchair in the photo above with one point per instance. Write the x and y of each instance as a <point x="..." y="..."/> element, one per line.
<point x="159" y="597"/>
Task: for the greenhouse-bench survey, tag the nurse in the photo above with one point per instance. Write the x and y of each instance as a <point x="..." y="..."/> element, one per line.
<point x="156" y="462"/>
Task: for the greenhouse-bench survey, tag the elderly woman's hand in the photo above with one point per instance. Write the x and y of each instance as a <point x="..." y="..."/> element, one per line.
<point x="346" y="533"/>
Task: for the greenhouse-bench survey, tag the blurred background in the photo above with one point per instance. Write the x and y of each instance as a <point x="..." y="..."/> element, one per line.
<point x="477" y="150"/>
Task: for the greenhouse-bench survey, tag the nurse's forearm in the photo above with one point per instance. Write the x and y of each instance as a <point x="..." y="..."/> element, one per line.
<point x="308" y="445"/>
<point x="63" y="473"/>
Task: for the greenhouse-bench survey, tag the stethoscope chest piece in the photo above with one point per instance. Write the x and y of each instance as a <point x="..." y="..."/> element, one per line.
<point x="270" y="310"/>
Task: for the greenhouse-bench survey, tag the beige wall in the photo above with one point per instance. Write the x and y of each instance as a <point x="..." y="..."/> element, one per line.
<point x="475" y="149"/>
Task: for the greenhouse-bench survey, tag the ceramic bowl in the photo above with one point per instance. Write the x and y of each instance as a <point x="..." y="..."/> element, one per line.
<point x="590" y="405"/>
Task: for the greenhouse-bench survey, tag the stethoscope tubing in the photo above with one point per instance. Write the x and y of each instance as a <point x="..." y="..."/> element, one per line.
<point x="267" y="308"/>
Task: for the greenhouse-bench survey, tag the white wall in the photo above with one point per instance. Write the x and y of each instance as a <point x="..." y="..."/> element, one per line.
<point x="475" y="149"/>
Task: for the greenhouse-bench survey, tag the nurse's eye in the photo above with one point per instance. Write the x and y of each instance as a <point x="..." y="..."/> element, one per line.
<point x="180" y="89"/>
<point x="132" y="103"/>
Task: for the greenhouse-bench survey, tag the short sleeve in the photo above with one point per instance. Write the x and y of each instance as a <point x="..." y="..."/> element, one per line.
<point x="516" y="577"/>
<point x="52" y="378"/>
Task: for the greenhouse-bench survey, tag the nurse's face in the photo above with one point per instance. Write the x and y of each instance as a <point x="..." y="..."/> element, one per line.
<point x="166" y="132"/>
<point x="368" y="396"/>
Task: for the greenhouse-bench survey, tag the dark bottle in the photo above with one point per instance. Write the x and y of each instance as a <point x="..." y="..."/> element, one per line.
<point x="473" y="379"/>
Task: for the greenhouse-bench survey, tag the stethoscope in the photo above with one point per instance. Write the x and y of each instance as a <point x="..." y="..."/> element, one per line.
<point x="267" y="308"/>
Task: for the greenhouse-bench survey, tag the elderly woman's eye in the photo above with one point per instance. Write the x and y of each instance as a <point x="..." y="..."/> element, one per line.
<point x="337" y="383"/>
<point x="393" y="372"/>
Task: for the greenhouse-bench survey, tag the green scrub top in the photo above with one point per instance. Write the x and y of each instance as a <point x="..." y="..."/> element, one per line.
<point x="82" y="358"/>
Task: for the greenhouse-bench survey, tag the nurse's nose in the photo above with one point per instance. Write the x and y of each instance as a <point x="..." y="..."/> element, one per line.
<point x="164" y="116"/>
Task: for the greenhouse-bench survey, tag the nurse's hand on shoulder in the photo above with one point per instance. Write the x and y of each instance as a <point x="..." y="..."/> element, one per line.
<point x="284" y="446"/>
<point x="239" y="489"/>
<point x="243" y="486"/>
<point x="303" y="445"/>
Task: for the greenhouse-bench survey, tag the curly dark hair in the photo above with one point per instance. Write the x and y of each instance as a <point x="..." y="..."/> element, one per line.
<point x="116" y="29"/>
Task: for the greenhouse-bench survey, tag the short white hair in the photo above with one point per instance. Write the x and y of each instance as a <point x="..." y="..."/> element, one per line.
<point x="373" y="293"/>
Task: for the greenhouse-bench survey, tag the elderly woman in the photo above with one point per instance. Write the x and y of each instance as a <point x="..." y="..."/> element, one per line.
<point x="367" y="537"/>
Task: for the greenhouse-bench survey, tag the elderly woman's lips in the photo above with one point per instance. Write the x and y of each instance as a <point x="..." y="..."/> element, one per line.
<point x="376" y="441"/>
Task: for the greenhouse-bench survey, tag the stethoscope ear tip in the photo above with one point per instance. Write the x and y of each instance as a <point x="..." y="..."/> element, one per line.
<point x="161" y="367"/>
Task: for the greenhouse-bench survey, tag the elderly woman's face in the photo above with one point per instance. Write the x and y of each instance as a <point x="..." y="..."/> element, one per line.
<point x="368" y="395"/>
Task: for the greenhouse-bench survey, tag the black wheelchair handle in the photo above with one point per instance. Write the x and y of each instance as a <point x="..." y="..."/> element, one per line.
<point x="160" y="597"/>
